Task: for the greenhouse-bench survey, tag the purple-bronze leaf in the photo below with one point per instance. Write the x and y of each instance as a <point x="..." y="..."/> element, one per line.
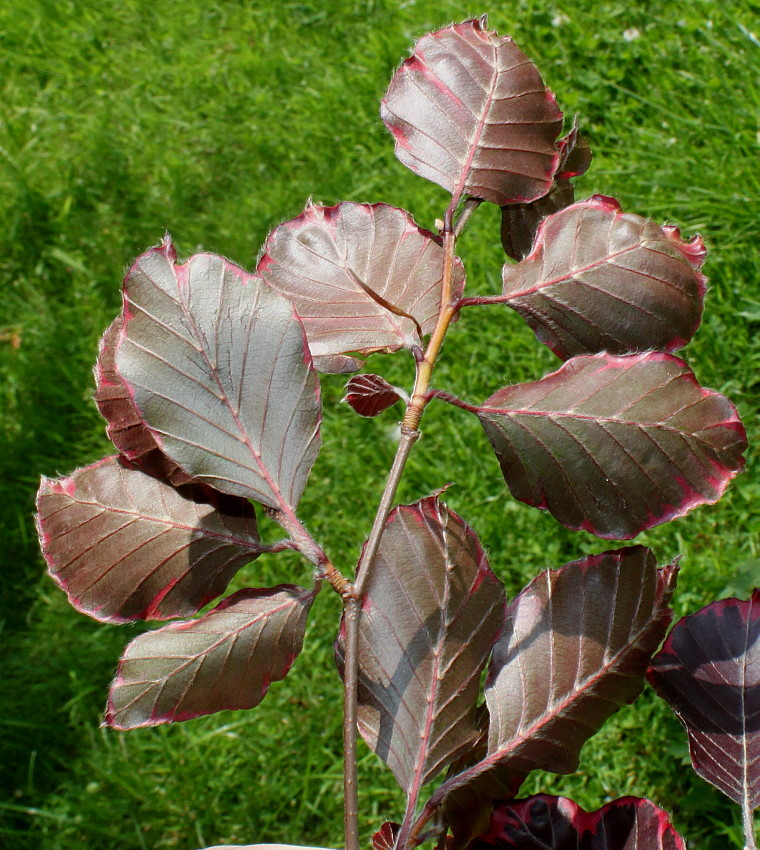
<point x="598" y="279"/>
<point x="215" y="362"/>
<point x="370" y="395"/>
<point x="385" y="837"/>
<point x="708" y="672"/>
<point x="615" y="444"/>
<point x="520" y="222"/>
<point x="557" y="823"/>
<point x="431" y="613"/>
<point x="575" y="647"/>
<point x="362" y="277"/>
<point x="125" y="427"/>
<point x="126" y="546"/>
<point x="469" y="111"/>
<point x="224" y="660"/>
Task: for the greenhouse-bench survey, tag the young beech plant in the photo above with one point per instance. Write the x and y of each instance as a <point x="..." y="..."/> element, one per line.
<point x="208" y="382"/>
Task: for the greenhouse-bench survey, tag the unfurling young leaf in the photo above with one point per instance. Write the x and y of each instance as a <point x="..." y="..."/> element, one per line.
<point x="556" y="823"/>
<point x="126" y="546"/>
<point x="575" y="648"/>
<point x="363" y="278"/>
<point x="215" y="362"/>
<point x="224" y="660"/>
<point x="432" y="611"/>
<point x="469" y="111"/>
<point x="370" y="395"/>
<point x="601" y="280"/>
<point x="615" y="444"/>
<point x="708" y="672"/>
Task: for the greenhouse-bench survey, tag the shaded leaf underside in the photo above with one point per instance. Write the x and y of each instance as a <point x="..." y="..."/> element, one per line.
<point x="557" y="823"/>
<point x="215" y="363"/>
<point x="126" y="546"/>
<point x="362" y="277"/>
<point x="223" y="660"/>
<point x="615" y="444"/>
<point x="469" y="111"/>
<point x="709" y="673"/>
<point x="601" y="280"/>
<point x="431" y="614"/>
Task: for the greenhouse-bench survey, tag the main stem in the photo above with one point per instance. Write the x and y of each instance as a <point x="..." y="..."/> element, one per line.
<point x="749" y="825"/>
<point x="354" y="597"/>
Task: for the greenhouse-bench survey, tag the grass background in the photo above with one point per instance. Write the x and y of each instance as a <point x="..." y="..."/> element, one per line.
<point x="121" y="120"/>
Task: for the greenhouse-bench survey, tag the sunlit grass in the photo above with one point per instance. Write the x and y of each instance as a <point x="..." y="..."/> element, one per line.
<point x="123" y="120"/>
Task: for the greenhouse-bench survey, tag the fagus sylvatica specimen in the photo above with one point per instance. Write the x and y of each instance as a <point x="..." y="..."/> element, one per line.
<point x="208" y="380"/>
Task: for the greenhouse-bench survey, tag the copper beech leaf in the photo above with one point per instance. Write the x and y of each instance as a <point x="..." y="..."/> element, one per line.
<point x="370" y="395"/>
<point x="431" y="613"/>
<point x="125" y="546"/>
<point x="708" y="672"/>
<point x="520" y="222"/>
<point x="599" y="279"/>
<point x="615" y="444"/>
<point x="469" y="111"/>
<point x="575" y="647"/>
<point x="225" y="659"/>
<point x="557" y="823"/>
<point x="216" y="364"/>
<point x="363" y="278"/>
<point x="125" y="427"/>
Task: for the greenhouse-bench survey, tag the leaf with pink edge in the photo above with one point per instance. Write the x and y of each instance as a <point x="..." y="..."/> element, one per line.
<point x="216" y="364"/>
<point x="615" y="444"/>
<point x="520" y="222"/>
<point x="125" y="427"/>
<point x="708" y="672"/>
<point x="362" y="277"/>
<point x="126" y="546"/>
<point x="370" y="395"/>
<point x="598" y="279"/>
<point x="543" y="822"/>
<point x="225" y="660"/>
<point x="469" y="111"/>
<point x="431" y="613"/>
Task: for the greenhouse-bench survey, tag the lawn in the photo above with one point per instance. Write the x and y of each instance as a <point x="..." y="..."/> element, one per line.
<point x="123" y="120"/>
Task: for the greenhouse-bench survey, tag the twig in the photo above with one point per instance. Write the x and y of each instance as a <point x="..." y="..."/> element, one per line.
<point x="748" y="821"/>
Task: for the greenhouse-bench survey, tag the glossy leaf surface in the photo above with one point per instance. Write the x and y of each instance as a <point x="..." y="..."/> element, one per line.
<point x="362" y="277"/>
<point x="598" y="279"/>
<point x="216" y="365"/>
<point x="615" y="444"/>
<point x="557" y="823"/>
<point x="370" y="395"/>
<point x="469" y="111"/>
<point x="224" y="660"/>
<point x="125" y="546"/>
<point x="520" y="222"/>
<point x="385" y="837"/>
<point x="708" y="671"/>
<point x="432" y="611"/>
<point x="575" y="647"/>
<point x="125" y="427"/>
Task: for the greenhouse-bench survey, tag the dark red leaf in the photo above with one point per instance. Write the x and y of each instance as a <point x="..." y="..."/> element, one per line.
<point x="125" y="546"/>
<point x="520" y="222"/>
<point x="708" y="671"/>
<point x="431" y="613"/>
<point x="125" y="427"/>
<point x="362" y="277"/>
<point x="575" y="647"/>
<point x="385" y="837"/>
<point x="556" y="823"/>
<point x="615" y="444"/>
<point x="216" y="365"/>
<point x="601" y="280"/>
<point x="469" y="111"/>
<point x="370" y="395"/>
<point x="224" y="660"/>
